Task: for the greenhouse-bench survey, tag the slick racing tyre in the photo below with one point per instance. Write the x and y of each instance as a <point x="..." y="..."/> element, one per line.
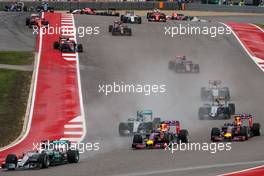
<point x="56" y="45"/>
<point x="224" y="92"/>
<point x="232" y="108"/>
<point x="156" y="121"/>
<point x="196" y="68"/>
<point x="11" y="159"/>
<point x="137" y="139"/>
<point x="139" y="21"/>
<point x="206" y="94"/>
<point x="79" y="48"/>
<point x="110" y="28"/>
<point x="44" y="161"/>
<point x="215" y="132"/>
<point x="256" y="129"/>
<point x="167" y="138"/>
<point x="183" y="136"/>
<point x="122" y="18"/>
<point x="203" y="112"/>
<point x="244" y="132"/>
<point x="122" y="128"/>
<point x="27" y="21"/>
<point x="73" y="156"/>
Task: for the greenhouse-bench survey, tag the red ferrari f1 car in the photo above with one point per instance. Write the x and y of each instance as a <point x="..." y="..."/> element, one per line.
<point x="156" y="15"/>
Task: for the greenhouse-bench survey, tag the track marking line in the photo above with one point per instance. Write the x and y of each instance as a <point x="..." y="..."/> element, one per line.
<point x="73" y="140"/>
<point x="69" y="59"/>
<point x="244" y="170"/>
<point x="80" y="88"/>
<point x="73" y="132"/>
<point x="65" y="34"/>
<point x="63" y="23"/>
<point x="257" y="27"/>
<point x="69" y="54"/>
<point x="73" y="126"/>
<point x="159" y="172"/>
<point x="77" y="119"/>
<point x="66" y="20"/>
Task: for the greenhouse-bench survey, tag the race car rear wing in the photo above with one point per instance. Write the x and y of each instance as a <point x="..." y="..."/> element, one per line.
<point x="175" y="123"/>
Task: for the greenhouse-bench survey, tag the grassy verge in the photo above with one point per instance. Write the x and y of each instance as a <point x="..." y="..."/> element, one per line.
<point x="14" y="91"/>
<point x="16" y="57"/>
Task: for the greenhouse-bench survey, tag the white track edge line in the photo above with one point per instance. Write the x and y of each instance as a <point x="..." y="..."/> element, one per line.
<point x="80" y="87"/>
<point x="250" y="55"/>
<point x="244" y="170"/>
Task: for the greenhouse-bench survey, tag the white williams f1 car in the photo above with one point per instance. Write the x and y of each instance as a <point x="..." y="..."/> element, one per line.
<point x="130" y="17"/>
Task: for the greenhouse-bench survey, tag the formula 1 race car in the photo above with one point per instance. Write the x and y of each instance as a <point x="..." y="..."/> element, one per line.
<point x="168" y="134"/>
<point x="215" y="90"/>
<point x="156" y="15"/>
<point x="181" y="65"/>
<point x="51" y="153"/>
<point x="109" y="12"/>
<point x="76" y="11"/>
<point x="16" y="7"/>
<point x="88" y="11"/>
<point x="66" y="45"/>
<point x="44" y="7"/>
<point x="177" y="16"/>
<point x="130" y="17"/>
<point x="143" y="123"/>
<point x="218" y="109"/>
<point x="118" y="28"/>
<point x="35" y="20"/>
<point x="240" y="130"/>
<point x="182" y="17"/>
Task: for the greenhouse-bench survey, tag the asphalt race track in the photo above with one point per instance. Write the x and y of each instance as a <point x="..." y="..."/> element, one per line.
<point x="143" y="59"/>
<point x="14" y="34"/>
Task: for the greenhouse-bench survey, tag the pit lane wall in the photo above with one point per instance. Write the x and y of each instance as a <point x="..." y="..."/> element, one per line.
<point x="143" y="6"/>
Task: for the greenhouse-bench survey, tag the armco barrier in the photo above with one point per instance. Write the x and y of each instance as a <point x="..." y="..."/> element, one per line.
<point x="143" y="6"/>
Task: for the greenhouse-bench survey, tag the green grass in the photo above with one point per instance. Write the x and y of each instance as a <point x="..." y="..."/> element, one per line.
<point x="16" y="57"/>
<point x="14" y="90"/>
<point x="260" y="25"/>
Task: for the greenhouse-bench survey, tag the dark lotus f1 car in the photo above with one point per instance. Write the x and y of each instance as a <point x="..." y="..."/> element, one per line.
<point x="66" y="45"/>
<point x="51" y="153"/>
<point x="156" y="16"/>
<point x="169" y="133"/>
<point x="181" y="65"/>
<point x="240" y="130"/>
